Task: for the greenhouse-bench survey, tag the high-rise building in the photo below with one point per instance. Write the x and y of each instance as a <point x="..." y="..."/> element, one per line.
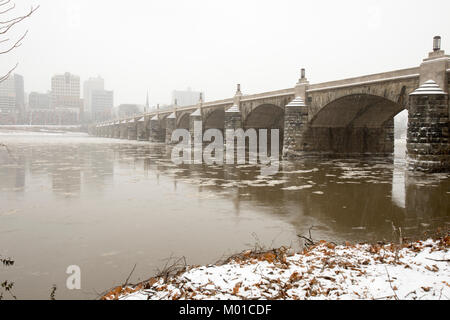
<point x="38" y="100"/>
<point x="186" y="97"/>
<point x="19" y="87"/>
<point x="90" y="85"/>
<point x="8" y="95"/>
<point x="98" y="102"/>
<point x="65" y="98"/>
<point x="12" y="98"/>
<point x="102" y="102"/>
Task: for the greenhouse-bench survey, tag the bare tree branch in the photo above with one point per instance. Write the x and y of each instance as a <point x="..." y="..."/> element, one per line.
<point x="9" y="9"/>
<point x="13" y="22"/>
<point x="4" y="2"/>
<point x="16" y="45"/>
<point x="6" y="76"/>
<point x="5" y="26"/>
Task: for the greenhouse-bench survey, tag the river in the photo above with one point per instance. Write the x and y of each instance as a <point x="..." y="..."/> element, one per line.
<point x="106" y="205"/>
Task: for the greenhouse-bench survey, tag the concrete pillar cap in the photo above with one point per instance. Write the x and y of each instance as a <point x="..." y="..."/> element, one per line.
<point x="428" y="88"/>
<point x="297" y="102"/>
<point x="234" y="108"/>
<point x="155" y="117"/>
<point x="172" y="116"/>
<point x="197" y="112"/>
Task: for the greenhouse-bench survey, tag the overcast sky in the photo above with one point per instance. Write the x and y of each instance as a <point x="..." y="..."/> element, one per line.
<point x="140" y="45"/>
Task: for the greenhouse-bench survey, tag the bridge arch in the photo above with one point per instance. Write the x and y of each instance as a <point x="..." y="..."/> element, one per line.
<point x="355" y="123"/>
<point x="266" y="116"/>
<point x="183" y="121"/>
<point x="215" y="119"/>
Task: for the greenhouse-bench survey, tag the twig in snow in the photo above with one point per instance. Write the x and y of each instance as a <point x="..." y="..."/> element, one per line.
<point x="129" y="276"/>
<point x="390" y="284"/>
<point x="309" y="241"/>
<point x="444" y="260"/>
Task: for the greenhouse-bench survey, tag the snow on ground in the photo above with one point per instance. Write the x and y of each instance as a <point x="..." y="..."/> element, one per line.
<point x="419" y="270"/>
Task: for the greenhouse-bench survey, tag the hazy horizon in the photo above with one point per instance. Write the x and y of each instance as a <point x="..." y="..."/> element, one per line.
<point x="161" y="46"/>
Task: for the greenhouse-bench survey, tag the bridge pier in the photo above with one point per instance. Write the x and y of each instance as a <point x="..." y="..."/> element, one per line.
<point x="111" y="130"/>
<point x="388" y="139"/>
<point x="194" y="118"/>
<point x="142" y="134"/>
<point x="123" y="130"/>
<point x="428" y="146"/>
<point x="233" y="116"/>
<point x="156" y="133"/>
<point x="296" y="118"/>
<point x="171" y="125"/>
<point x="91" y="130"/>
<point x="116" y="130"/>
<point x="132" y="129"/>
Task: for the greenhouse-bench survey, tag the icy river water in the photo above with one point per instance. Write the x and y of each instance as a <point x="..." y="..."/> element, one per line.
<point x="106" y="205"/>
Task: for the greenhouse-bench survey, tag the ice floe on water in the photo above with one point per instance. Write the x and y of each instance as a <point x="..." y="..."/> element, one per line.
<point x="301" y="171"/>
<point x="293" y="188"/>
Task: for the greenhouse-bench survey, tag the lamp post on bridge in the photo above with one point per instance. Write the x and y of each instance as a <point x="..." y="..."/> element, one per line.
<point x="436" y="43"/>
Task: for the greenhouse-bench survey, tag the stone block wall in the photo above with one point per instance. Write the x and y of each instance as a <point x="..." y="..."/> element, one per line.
<point x="171" y="125"/>
<point x="132" y="131"/>
<point x="116" y="131"/>
<point x="156" y="133"/>
<point x="192" y="120"/>
<point x="428" y="146"/>
<point x="233" y="120"/>
<point x="123" y="131"/>
<point x="142" y="134"/>
<point x="295" y="121"/>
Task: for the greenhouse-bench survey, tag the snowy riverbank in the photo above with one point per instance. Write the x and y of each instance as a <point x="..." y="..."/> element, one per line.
<point x="419" y="270"/>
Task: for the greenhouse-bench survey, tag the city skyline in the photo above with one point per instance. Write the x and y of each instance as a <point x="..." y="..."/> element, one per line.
<point x="84" y="92"/>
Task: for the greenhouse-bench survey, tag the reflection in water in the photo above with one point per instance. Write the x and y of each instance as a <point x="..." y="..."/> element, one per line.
<point x="107" y="204"/>
<point x="398" y="176"/>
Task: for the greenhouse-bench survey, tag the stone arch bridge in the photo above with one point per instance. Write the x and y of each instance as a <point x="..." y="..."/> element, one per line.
<point x="350" y="116"/>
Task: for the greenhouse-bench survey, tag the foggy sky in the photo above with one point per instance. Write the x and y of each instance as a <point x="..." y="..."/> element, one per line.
<point x="160" y="46"/>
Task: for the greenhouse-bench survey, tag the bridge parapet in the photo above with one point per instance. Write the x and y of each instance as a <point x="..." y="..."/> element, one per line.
<point x="366" y="80"/>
